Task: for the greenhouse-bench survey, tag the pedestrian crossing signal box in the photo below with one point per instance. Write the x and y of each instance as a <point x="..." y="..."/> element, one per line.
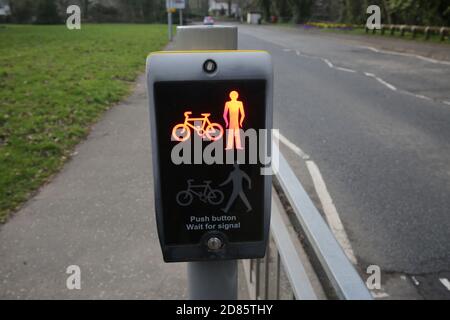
<point x="211" y="121"/>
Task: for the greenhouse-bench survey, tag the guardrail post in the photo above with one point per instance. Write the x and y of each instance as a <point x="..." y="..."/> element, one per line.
<point x="414" y="31"/>
<point x="169" y="23"/>
<point x="427" y="33"/>
<point x="442" y="32"/>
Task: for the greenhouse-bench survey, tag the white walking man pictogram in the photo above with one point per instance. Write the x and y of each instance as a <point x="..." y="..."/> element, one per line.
<point x="237" y="177"/>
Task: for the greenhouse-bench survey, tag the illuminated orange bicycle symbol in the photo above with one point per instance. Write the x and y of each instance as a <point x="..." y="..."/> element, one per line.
<point x="203" y="126"/>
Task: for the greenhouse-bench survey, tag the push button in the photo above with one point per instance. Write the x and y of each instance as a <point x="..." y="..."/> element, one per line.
<point x="214" y="243"/>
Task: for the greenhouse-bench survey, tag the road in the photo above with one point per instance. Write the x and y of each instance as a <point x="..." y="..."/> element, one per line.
<point x="377" y="125"/>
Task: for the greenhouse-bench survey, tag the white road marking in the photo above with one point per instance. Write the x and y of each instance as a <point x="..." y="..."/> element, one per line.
<point x="291" y="146"/>
<point x="379" y="295"/>
<point x="407" y="55"/>
<point x="420" y="96"/>
<point x="330" y="211"/>
<point x="371" y="75"/>
<point x="299" y="53"/>
<point x="445" y="283"/>
<point x="345" y="69"/>
<point x="328" y="62"/>
<point x="387" y="84"/>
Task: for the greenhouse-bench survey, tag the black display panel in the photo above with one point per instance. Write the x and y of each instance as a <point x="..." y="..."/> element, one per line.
<point x="198" y="200"/>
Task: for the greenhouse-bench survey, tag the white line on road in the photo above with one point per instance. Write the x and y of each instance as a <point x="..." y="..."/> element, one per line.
<point x="368" y="74"/>
<point x="291" y="146"/>
<point x="345" y="69"/>
<point x="379" y="295"/>
<point x="328" y="62"/>
<point x="329" y="209"/>
<point x="407" y="55"/>
<point x="387" y="84"/>
<point x="301" y="54"/>
<point x="421" y="96"/>
<point x="445" y="282"/>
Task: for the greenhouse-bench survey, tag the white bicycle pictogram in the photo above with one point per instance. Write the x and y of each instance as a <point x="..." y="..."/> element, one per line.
<point x="202" y="191"/>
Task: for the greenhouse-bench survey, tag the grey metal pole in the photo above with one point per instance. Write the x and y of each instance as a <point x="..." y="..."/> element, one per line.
<point x="169" y="23"/>
<point x="212" y="280"/>
<point x="181" y="17"/>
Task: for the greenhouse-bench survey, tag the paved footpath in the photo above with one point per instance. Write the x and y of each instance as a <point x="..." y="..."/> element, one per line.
<point x="97" y="213"/>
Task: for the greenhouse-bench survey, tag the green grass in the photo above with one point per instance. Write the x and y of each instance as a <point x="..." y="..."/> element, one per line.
<point x="54" y="83"/>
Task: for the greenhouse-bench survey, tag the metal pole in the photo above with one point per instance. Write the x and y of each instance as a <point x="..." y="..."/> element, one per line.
<point x="169" y="23"/>
<point x="212" y="280"/>
<point x="181" y="16"/>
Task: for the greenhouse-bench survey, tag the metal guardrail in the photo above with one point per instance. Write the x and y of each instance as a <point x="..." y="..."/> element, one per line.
<point x="427" y="31"/>
<point x="285" y="255"/>
<point x="339" y="271"/>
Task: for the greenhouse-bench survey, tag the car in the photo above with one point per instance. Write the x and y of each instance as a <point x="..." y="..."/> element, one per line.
<point x="208" y="20"/>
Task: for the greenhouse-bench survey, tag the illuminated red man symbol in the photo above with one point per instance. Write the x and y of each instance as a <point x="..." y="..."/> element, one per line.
<point x="234" y="109"/>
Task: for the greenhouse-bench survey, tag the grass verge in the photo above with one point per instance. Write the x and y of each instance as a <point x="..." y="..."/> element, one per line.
<point x="434" y="38"/>
<point x="55" y="83"/>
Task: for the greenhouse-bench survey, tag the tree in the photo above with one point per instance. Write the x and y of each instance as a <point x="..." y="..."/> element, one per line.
<point x="301" y="10"/>
<point x="22" y="10"/>
<point x="47" y="12"/>
<point x="283" y="10"/>
<point x="423" y="12"/>
<point x="86" y="4"/>
<point x="266" y="8"/>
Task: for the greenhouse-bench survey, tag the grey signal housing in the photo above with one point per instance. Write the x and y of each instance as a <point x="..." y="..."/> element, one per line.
<point x="208" y="212"/>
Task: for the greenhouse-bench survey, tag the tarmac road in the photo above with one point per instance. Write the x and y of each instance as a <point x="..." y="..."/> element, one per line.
<point x="377" y="124"/>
